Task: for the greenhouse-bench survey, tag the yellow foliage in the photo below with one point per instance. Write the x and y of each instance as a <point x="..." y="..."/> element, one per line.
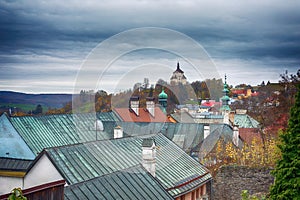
<point x="255" y="154"/>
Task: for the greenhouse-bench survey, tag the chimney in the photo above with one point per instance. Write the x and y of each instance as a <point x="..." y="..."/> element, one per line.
<point x="206" y="130"/>
<point x="150" y="105"/>
<point x="235" y="136"/>
<point x="149" y="155"/>
<point x="99" y="125"/>
<point x="118" y="132"/>
<point x="231" y="117"/>
<point x="134" y="104"/>
<point x="226" y="117"/>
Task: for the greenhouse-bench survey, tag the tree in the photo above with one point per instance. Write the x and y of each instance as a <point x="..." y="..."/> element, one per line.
<point x="16" y="194"/>
<point x="38" y="110"/>
<point x="287" y="170"/>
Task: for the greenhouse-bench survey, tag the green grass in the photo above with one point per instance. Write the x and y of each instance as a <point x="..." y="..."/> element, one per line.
<point x="23" y="107"/>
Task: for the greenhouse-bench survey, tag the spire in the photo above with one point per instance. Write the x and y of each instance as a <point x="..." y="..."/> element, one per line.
<point x="225" y="99"/>
<point x="178" y="68"/>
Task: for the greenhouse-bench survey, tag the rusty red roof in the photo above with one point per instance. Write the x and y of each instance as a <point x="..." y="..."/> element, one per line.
<point x="128" y="115"/>
<point x="250" y="134"/>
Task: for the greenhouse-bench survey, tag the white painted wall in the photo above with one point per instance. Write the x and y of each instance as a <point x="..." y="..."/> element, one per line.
<point x="206" y="130"/>
<point x="9" y="183"/>
<point x="42" y="172"/>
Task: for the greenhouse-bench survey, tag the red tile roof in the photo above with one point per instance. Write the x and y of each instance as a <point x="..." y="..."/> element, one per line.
<point x="249" y="134"/>
<point x="144" y="116"/>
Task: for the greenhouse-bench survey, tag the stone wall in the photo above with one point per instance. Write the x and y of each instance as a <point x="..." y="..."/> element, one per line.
<point x="230" y="181"/>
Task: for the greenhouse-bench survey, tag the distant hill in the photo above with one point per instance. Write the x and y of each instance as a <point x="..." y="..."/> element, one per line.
<point x="46" y="100"/>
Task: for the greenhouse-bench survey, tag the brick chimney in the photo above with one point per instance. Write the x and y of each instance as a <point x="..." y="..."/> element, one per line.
<point x="118" y="132"/>
<point x="150" y="105"/>
<point x="134" y="104"/>
<point x="149" y="155"/>
<point x="206" y="130"/>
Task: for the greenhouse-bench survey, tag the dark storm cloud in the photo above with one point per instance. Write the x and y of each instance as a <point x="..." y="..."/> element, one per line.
<point x="38" y="34"/>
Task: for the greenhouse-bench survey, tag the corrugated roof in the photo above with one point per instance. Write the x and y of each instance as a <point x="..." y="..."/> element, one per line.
<point x="217" y="132"/>
<point x="12" y="164"/>
<point x="245" y="121"/>
<point x="183" y="117"/>
<point x="40" y="132"/>
<point x="132" y="183"/>
<point x="107" y="116"/>
<point x="192" y="133"/>
<point x="11" y="143"/>
<point x="144" y="116"/>
<point x="82" y="162"/>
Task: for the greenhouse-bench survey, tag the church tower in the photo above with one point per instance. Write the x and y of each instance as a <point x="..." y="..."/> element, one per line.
<point x="163" y="100"/>
<point x="225" y="109"/>
<point x="178" y="76"/>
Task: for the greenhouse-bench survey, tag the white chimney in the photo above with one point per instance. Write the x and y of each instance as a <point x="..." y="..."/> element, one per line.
<point x="226" y="117"/>
<point x="149" y="155"/>
<point x="235" y="136"/>
<point x="134" y="104"/>
<point x="150" y="105"/>
<point x="118" y="132"/>
<point x="99" y="125"/>
<point x="206" y="130"/>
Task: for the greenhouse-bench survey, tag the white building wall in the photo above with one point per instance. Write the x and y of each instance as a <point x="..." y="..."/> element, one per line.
<point x="9" y="183"/>
<point x="42" y="172"/>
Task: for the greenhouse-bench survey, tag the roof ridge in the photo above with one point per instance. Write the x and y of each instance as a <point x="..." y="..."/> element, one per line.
<point x="95" y="141"/>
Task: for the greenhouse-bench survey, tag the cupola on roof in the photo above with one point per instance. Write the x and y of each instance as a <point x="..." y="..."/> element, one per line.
<point x="163" y="95"/>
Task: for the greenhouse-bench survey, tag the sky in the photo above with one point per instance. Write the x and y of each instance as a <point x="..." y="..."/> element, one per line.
<point x="47" y="46"/>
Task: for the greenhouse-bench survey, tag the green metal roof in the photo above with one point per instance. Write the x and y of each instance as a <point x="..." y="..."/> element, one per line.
<point x="107" y="116"/>
<point x="176" y="171"/>
<point x="245" y="121"/>
<point x="11" y="143"/>
<point x="132" y="183"/>
<point x="40" y="132"/>
<point x="191" y="132"/>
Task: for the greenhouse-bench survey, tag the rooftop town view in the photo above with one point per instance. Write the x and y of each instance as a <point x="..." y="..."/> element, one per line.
<point x="149" y="100"/>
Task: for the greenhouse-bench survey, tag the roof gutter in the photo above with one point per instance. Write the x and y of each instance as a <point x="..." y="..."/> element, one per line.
<point x="188" y="182"/>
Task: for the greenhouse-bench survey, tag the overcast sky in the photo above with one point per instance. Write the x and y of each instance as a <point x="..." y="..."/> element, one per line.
<point x="44" y="44"/>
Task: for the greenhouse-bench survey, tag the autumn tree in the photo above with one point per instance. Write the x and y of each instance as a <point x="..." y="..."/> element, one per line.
<point x="287" y="170"/>
<point x="256" y="154"/>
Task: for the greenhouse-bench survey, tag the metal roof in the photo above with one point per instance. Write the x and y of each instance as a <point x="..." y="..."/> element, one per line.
<point x="107" y="116"/>
<point x="82" y="162"/>
<point x="12" y="164"/>
<point x="192" y="133"/>
<point x="132" y="183"/>
<point x="40" y="132"/>
<point x="245" y="121"/>
<point x="217" y="132"/>
<point x="183" y="117"/>
<point x="11" y="143"/>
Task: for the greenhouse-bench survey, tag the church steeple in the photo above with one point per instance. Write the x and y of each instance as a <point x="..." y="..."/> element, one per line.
<point x="178" y="76"/>
<point x="225" y="99"/>
<point x="178" y="69"/>
<point x="163" y="100"/>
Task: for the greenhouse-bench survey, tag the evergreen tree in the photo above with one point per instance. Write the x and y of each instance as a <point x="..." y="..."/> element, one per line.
<point x="287" y="170"/>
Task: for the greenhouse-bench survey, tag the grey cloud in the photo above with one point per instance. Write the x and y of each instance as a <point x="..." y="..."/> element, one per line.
<point x="62" y="33"/>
